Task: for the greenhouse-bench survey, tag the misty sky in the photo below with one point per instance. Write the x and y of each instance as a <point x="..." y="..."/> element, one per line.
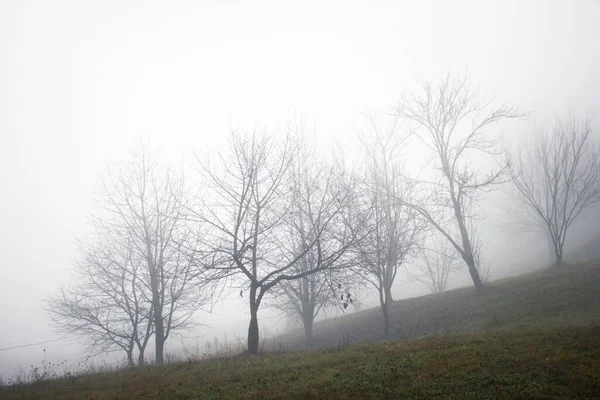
<point x="80" y="81"/>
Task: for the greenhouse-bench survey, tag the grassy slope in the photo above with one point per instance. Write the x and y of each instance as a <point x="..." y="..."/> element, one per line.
<point x="522" y="364"/>
<point x="545" y="299"/>
<point x="547" y="360"/>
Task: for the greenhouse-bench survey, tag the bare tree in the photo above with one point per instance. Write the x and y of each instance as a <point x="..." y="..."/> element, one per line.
<point x="142" y="205"/>
<point x="520" y="220"/>
<point x="252" y="200"/>
<point x="316" y="294"/>
<point x="106" y="308"/>
<point x="452" y="119"/>
<point x="557" y="178"/>
<point x="393" y="230"/>
<point x="313" y="182"/>
<point x="435" y="264"/>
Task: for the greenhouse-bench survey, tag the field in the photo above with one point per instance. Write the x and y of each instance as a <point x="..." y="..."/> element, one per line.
<point x="535" y="336"/>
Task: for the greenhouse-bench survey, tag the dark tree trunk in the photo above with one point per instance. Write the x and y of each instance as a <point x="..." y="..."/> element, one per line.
<point x="253" y="327"/>
<point x="307" y="313"/>
<point x="159" y="328"/>
<point x="308" y="332"/>
<point x="385" y="297"/>
<point x="559" y="258"/>
<point x="555" y="251"/>
<point x="159" y="336"/>
<point x="470" y="261"/>
<point x="141" y="359"/>
<point x="130" y="362"/>
<point x="253" y="333"/>
<point x="551" y="247"/>
<point x="467" y="254"/>
<point x="386" y="320"/>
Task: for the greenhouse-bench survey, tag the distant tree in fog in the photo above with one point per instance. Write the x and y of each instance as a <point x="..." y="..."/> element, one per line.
<point x="438" y="259"/>
<point x="451" y="118"/>
<point x="250" y="208"/>
<point x="313" y="183"/>
<point x="144" y="202"/>
<point x="138" y="265"/>
<point x="557" y="177"/>
<point x="394" y="230"/>
<point x="106" y="306"/>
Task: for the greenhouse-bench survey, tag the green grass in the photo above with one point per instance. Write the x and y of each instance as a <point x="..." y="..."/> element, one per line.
<point x="535" y="336"/>
<point x="558" y="363"/>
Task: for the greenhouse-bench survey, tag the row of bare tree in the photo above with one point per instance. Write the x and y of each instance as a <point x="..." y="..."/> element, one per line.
<point x="277" y="219"/>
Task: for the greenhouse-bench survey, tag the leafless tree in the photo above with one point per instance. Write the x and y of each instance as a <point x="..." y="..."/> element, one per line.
<point x="394" y="230"/>
<point x="313" y="182"/>
<point x="106" y="308"/>
<point x="143" y="205"/>
<point x="251" y="204"/>
<point x="452" y="119"/>
<point x="436" y="262"/>
<point x="558" y="177"/>
<point x="520" y="220"/>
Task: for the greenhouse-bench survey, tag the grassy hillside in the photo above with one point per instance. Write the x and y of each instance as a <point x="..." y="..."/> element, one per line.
<point x="563" y="363"/>
<point x="545" y="299"/>
<point x="557" y="355"/>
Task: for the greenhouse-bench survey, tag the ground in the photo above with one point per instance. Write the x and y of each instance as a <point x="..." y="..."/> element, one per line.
<point x="531" y="337"/>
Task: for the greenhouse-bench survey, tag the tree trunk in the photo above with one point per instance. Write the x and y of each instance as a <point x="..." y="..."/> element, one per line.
<point x="386" y="320"/>
<point x="159" y="328"/>
<point x="467" y="254"/>
<point x="130" y="363"/>
<point x="470" y="261"/>
<point x="253" y="332"/>
<point x="308" y="331"/>
<point x="159" y="335"/>
<point x="253" y="327"/>
<point x="559" y="257"/>
<point x="141" y="359"/>
<point x="385" y="299"/>
<point x="551" y="247"/>
<point x="307" y="313"/>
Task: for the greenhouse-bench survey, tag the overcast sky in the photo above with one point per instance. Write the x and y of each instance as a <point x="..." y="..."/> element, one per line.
<point x="80" y="81"/>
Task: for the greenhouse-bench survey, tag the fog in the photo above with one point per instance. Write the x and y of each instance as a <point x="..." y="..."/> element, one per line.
<point x="82" y="81"/>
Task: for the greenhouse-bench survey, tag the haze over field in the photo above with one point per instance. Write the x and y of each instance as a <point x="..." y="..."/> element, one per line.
<point x="82" y="81"/>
